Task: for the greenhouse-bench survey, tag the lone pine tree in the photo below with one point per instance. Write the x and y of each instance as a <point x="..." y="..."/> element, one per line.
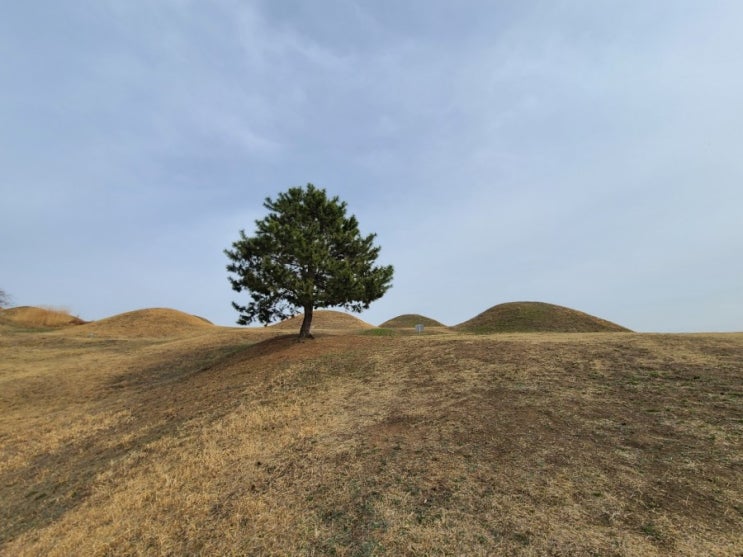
<point x="305" y="254"/>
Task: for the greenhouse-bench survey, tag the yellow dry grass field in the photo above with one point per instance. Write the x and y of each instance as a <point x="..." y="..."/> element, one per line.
<point x="225" y="441"/>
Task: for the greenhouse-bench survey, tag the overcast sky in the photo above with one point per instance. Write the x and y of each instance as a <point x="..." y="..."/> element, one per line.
<point x="587" y="154"/>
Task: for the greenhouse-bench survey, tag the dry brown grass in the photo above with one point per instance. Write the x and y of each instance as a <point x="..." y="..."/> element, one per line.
<point x="38" y="317"/>
<point x="236" y="442"/>
<point x="148" y="323"/>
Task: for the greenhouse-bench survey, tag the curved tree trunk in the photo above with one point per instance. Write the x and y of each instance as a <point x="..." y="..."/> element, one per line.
<point x="304" y="332"/>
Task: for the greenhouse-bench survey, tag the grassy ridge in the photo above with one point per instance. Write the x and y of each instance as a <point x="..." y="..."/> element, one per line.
<point x="241" y="442"/>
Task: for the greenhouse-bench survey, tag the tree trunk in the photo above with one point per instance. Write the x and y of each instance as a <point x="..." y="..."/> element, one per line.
<point x="304" y="332"/>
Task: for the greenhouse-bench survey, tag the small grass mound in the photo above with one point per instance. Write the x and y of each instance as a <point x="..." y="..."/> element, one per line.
<point x="410" y="320"/>
<point x="33" y="317"/>
<point x="148" y="323"/>
<point x="324" y="319"/>
<point x="532" y="317"/>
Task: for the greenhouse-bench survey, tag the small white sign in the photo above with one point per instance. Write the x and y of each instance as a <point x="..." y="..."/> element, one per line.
<point x="419" y="328"/>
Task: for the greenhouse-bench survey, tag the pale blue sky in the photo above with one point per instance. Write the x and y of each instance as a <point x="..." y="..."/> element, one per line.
<point x="586" y="154"/>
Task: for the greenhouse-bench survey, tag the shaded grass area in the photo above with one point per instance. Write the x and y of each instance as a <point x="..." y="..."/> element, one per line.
<point x="404" y="445"/>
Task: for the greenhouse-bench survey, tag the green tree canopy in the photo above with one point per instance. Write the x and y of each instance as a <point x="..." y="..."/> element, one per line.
<point x="305" y="254"/>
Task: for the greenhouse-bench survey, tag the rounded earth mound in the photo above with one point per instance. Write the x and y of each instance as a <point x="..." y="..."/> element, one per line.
<point x="530" y="317"/>
<point x="410" y="320"/>
<point x="30" y="316"/>
<point x="149" y="323"/>
<point x="324" y="319"/>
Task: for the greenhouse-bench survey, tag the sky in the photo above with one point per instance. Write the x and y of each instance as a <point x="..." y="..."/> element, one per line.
<point x="586" y="154"/>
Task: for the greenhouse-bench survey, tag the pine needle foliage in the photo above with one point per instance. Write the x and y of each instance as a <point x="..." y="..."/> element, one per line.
<point x="306" y="254"/>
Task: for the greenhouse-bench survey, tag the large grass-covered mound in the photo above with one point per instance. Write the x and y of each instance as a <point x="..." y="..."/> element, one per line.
<point x="148" y="323"/>
<point x="410" y="320"/>
<point x="30" y="316"/>
<point x="324" y="319"/>
<point x="531" y="317"/>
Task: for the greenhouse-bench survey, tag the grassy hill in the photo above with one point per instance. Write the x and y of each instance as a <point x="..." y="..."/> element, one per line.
<point x="239" y="441"/>
<point x="531" y="317"/>
<point x="409" y="320"/>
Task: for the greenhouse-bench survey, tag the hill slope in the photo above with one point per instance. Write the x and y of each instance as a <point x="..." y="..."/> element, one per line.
<point x="530" y="317"/>
<point x="217" y="444"/>
<point x="409" y="320"/>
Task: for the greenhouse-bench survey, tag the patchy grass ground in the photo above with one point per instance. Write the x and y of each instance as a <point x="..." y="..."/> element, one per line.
<point x="234" y="442"/>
